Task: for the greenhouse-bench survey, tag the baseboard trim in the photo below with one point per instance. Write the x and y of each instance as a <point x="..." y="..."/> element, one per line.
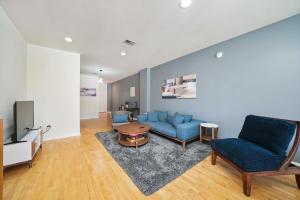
<point x="91" y="117"/>
<point x="59" y="137"/>
<point x="296" y="163"/>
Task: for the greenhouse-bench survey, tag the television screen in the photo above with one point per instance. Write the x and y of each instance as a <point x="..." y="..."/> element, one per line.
<point x="24" y="118"/>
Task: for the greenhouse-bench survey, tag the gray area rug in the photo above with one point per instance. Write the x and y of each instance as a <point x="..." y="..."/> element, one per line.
<point x="157" y="163"/>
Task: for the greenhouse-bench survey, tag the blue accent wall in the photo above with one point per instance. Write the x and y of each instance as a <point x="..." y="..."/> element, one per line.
<point x="258" y="74"/>
<point x="145" y="90"/>
<point x="120" y="91"/>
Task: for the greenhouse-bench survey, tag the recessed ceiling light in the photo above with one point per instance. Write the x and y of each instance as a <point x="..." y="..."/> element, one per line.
<point x="123" y="53"/>
<point x="185" y="3"/>
<point x="68" y="39"/>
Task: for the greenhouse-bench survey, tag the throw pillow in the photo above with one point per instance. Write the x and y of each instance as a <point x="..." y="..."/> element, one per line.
<point x="178" y="119"/>
<point x="162" y="115"/>
<point x="187" y="118"/>
<point x="152" y="116"/>
<point x="142" y="118"/>
<point x="170" y="119"/>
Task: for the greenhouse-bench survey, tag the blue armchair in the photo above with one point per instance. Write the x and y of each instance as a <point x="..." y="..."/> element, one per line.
<point x="119" y="118"/>
<point x="260" y="149"/>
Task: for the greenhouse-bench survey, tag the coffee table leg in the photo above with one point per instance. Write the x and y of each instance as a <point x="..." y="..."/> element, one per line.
<point x="136" y="145"/>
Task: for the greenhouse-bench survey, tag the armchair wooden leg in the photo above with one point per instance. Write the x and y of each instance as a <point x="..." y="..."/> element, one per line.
<point x="247" y="178"/>
<point x="297" y="176"/>
<point x="213" y="157"/>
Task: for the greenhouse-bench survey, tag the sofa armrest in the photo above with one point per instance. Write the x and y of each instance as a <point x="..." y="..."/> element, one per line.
<point x="142" y="118"/>
<point x="189" y="130"/>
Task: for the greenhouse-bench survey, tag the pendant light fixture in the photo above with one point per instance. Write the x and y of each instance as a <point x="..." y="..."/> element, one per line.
<point x="100" y="76"/>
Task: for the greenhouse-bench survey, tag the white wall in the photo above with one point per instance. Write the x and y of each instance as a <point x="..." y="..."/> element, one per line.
<point x="91" y="106"/>
<point x="102" y="97"/>
<point x="53" y="82"/>
<point x="12" y="70"/>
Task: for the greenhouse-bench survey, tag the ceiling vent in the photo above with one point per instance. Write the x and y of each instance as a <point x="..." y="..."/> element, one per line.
<point x="129" y="42"/>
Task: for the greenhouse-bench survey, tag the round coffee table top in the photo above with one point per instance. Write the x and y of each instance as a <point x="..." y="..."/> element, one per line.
<point x="133" y="128"/>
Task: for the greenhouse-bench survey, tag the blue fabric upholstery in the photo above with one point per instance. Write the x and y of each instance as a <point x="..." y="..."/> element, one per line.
<point x="119" y="118"/>
<point x="248" y="156"/>
<point x="142" y="118"/>
<point x="170" y="119"/>
<point x="164" y="128"/>
<point x="187" y="118"/>
<point x="188" y="130"/>
<point x="151" y="124"/>
<point x="162" y="116"/>
<point x="272" y="134"/>
<point x="177" y="119"/>
<point x="153" y="116"/>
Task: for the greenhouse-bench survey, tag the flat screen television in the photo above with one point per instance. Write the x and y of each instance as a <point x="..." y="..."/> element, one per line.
<point x="23" y="119"/>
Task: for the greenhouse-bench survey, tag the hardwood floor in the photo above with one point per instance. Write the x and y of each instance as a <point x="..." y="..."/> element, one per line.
<point x="81" y="168"/>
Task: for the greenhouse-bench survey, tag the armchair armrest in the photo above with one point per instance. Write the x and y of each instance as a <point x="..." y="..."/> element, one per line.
<point x="142" y="118"/>
<point x="120" y="118"/>
<point x="189" y="130"/>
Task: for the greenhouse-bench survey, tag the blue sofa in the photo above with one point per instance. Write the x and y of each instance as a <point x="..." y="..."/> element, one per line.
<point x="182" y="128"/>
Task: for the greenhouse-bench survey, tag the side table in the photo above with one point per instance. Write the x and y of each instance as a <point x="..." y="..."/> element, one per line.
<point x="203" y="131"/>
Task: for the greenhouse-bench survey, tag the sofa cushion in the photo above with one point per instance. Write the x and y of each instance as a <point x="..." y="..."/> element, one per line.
<point x="162" y="116"/>
<point x="272" y="134"/>
<point x="119" y="118"/>
<point x="187" y="118"/>
<point x="248" y="156"/>
<point x="170" y="119"/>
<point x="151" y="124"/>
<point x="142" y="118"/>
<point x="177" y="119"/>
<point x="164" y="128"/>
<point x="152" y="116"/>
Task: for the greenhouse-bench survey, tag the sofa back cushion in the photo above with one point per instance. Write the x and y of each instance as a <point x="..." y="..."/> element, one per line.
<point x="177" y="119"/>
<point x="187" y="118"/>
<point x="170" y="119"/>
<point x="119" y="118"/>
<point x="153" y="116"/>
<point x="162" y="116"/>
<point x="142" y="118"/>
<point x="269" y="133"/>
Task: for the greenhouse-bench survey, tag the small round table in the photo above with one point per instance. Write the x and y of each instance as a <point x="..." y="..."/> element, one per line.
<point x="203" y="131"/>
<point x="133" y="134"/>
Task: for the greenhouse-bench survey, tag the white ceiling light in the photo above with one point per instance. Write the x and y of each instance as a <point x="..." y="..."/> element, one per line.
<point x="123" y="53"/>
<point x="68" y="39"/>
<point x="100" y="76"/>
<point x="185" y="3"/>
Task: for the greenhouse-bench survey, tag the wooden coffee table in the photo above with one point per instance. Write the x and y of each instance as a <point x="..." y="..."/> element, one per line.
<point x="133" y="134"/>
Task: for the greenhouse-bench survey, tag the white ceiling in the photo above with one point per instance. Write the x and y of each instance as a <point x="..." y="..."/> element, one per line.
<point x="161" y="29"/>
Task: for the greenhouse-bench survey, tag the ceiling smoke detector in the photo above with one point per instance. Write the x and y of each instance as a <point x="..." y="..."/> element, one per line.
<point x="129" y="42"/>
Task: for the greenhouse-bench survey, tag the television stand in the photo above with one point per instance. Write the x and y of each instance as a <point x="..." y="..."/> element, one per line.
<point x="22" y="151"/>
<point x="14" y="142"/>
